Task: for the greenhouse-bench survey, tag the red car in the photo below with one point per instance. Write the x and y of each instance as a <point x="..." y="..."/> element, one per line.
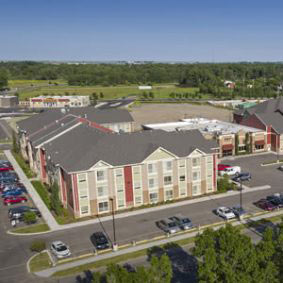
<point x="14" y="199"/>
<point x="222" y="167"/>
<point x="265" y="204"/>
<point x="6" y="168"/>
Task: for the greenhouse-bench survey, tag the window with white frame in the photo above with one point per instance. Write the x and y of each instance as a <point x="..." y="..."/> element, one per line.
<point x="196" y="175"/>
<point x="151" y="168"/>
<point x="152" y="183"/>
<point x="103" y="206"/>
<point x="169" y="195"/>
<point x="196" y="162"/>
<point x="84" y="209"/>
<point x="209" y="186"/>
<point x="167" y="180"/>
<point x="167" y="165"/>
<point x="102" y="190"/>
<point x="182" y="163"/>
<point x="153" y="197"/>
<point x="118" y="172"/>
<point x="209" y="159"/>
<point x="121" y="202"/>
<point x="101" y="175"/>
<point x="182" y="178"/>
<point x="183" y="191"/>
<point x="138" y="200"/>
<point x="196" y="190"/>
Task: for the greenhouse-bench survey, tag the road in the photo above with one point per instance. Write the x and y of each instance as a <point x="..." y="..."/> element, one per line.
<point x="15" y="252"/>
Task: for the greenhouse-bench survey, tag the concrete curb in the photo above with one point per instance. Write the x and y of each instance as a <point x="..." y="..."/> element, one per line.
<point x="27" y="234"/>
<point x="190" y="234"/>
<point x="29" y="260"/>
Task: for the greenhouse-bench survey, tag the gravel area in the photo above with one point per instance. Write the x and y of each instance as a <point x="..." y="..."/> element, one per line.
<point x="158" y="113"/>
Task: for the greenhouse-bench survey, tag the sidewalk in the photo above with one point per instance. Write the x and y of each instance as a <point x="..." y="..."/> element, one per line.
<point x="46" y="214"/>
<point x="54" y="226"/>
<point x="50" y="271"/>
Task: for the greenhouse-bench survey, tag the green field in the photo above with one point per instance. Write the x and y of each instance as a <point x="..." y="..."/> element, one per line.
<point x="26" y="91"/>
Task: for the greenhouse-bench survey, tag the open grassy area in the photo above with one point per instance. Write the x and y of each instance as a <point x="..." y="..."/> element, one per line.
<point x="27" y="83"/>
<point x="23" y="165"/>
<point x="40" y="262"/>
<point x="32" y="229"/>
<point x="109" y="92"/>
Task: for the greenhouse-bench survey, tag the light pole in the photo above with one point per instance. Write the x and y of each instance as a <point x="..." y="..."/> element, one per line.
<point x="113" y="221"/>
<point x="241" y="195"/>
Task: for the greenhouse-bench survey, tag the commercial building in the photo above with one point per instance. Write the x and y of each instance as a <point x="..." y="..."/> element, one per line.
<point x="232" y="139"/>
<point x="95" y="166"/>
<point x="59" y="101"/>
<point x="8" y="101"/>
<point x="268" y="117"/>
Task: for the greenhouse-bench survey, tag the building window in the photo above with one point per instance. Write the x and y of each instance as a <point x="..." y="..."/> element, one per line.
<point x="100" y="175"/>
<point x="209" y="159"/>
<point x="119" y="173"/>
<point x="151" y="168"/>
<point x="84" y="209"/>
<point x="196" y="190"/>
<point x="183" y="191"/>
<point x="103" y="206"/>
<point x="137" y="185"/>
<point x="167" y="180"/>
<point x="196" y="162"/>
<point x="167" y="165"/>
<point x="182" y="178"/>
<point x="169" y="195"/>
<point x="138" y="200"/>
<point x="259" y="146"/>
<point x="151" y="183"/>
<point x="153" y="197"/>
<point x="182" y="163"/>
<point x="82" y="178"/>
<point x="242" y="148"/>
<point x="196" y="176"/>
<point x="102" y="191"/>
<point x="209" y="186"/>
<point x="121" y="203"/>
<point x="120" y="188"/>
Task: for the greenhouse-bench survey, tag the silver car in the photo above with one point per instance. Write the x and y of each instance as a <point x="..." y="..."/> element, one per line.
<point x="168" y="226"/>
<point x="60" y="250"/>
<point x="184" y="222"/>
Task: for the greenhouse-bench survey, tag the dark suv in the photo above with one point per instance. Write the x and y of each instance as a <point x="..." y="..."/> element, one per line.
<point x="242" y="177"/>
<point x="18" y="212"/>
<point x="100" y="241"/>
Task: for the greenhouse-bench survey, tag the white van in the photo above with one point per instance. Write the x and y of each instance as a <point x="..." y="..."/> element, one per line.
<point x="231" y="171"/>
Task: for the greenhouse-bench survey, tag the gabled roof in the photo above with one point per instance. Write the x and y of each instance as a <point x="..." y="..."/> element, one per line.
<point x="38" y="121"/>
<point x="75" y="153"/>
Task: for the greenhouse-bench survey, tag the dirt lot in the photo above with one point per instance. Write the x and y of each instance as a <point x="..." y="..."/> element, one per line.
<point x="157" y="113"/>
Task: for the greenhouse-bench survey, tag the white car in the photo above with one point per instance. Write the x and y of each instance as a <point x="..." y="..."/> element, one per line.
<point x="60" y="250"/>
<point x="230" y="171"/>
<point x="225" y="212"/>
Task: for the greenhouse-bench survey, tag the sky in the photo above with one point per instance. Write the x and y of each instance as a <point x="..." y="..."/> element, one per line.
<point x="132" y="30"/>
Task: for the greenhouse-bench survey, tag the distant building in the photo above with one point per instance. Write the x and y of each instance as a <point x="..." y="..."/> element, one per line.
<point x="232" y="139"/>
<point x="145" y="87"/>
<point x="7" y="101"/>
<point x="59" y="101"/>
<point x="229" y="84"/>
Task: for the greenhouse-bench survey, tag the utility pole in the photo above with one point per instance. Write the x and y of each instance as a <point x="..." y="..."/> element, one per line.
<point x="114" y="228"/>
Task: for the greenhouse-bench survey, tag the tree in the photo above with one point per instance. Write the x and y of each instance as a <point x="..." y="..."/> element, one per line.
<point x="29" y="217"/>
<point x="160" y="269"/>
<point x="117" y="274"/>
<point x="101" y="95"/>
<point x="55" y="202"/>
<point x="3" y="78"/>
<point x="226" y="255"/>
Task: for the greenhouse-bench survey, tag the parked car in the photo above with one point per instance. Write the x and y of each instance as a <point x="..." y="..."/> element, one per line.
<point x="275" y="200"/>
<point x="6" y="167"/>
<point x="238" y="210"/>
<point x="14" y="199"/>
<point x="100" y="241"/>
<point x="222" y="167"/>
<point x="168" y="225"/>
<point x="13" y="187"/>
<point x="265" y="204"/>
<point x="183" y="222"/>
<point x="230" y="171"/>
<point x="242" y="177"/>
<point x="17" y="212"/>
<point x="225" y="212"/>
<point x="12" y="193"/>
<point x="60" y="250"/>
<point x="280" y="168"/>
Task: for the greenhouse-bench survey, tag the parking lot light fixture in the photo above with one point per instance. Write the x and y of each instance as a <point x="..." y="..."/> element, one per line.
<point x="113" y="220"/>
<point x="241" y="194"/>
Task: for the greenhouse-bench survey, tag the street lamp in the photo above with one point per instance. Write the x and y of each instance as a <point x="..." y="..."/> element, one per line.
<point x="113" y="221"/>
<point x="241" y="194"/>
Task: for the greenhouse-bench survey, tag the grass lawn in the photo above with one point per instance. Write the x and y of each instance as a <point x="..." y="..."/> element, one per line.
<point x="109" y="92"/>
<point x="23" y="165"/>
<point x="27" y="83"/>
<point x="40" y="262"/>
<point x="32" y="229"/>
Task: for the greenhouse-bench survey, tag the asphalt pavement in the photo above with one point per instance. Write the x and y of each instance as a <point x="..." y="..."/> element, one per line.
<point x="15" y="252"/>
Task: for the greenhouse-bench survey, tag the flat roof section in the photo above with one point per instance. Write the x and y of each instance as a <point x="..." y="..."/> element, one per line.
<point x="205" y="126"/>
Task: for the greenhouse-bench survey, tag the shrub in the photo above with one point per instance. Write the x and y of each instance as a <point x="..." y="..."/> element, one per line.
<point x="29" y="217"/>
<point x="38" y="246"/>
<point x="43" y="193"/>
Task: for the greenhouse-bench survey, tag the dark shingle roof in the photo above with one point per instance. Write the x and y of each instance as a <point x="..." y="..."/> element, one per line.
<point x="274" y="119"/>
<point x="38" y="121"/>
<point x="75" y="153"/>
